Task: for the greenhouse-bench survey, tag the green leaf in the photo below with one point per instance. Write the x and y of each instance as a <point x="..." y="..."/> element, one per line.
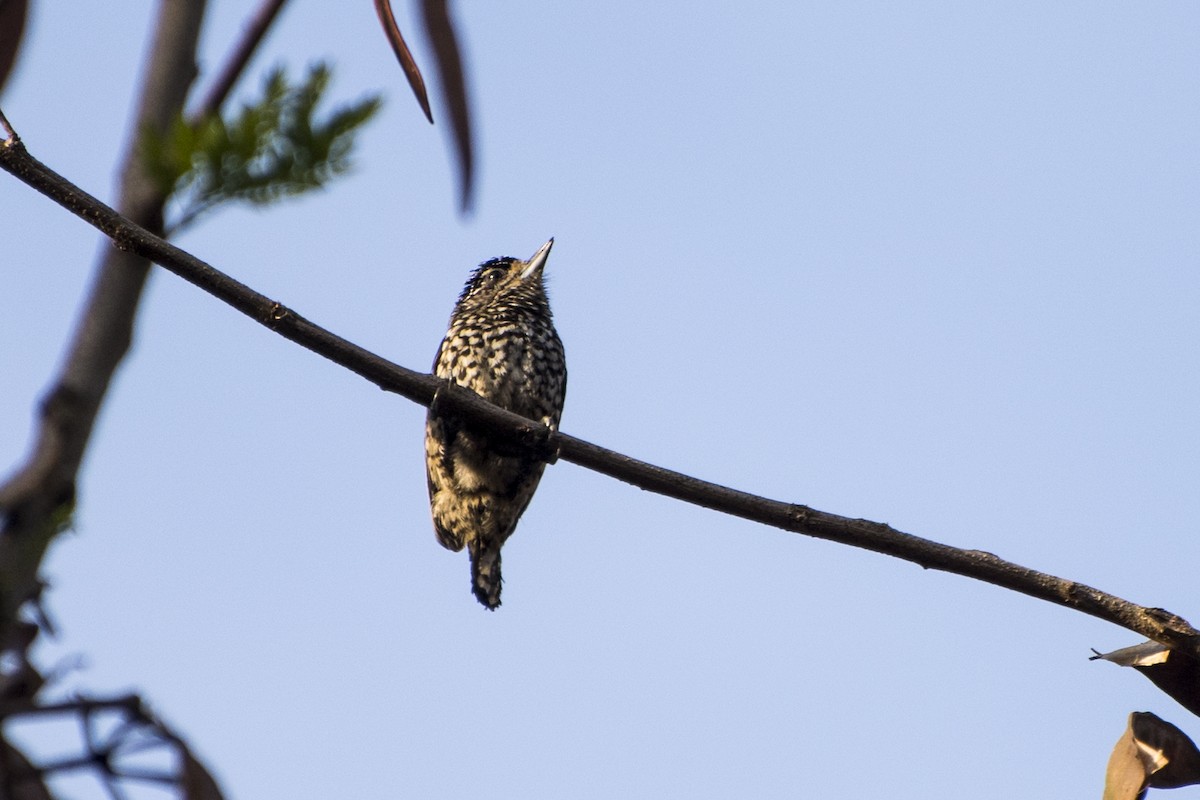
<point x="273" y="148"/>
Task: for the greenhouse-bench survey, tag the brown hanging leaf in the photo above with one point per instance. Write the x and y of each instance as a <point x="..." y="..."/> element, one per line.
<point x="439" y="27"/>
<point x="198" y="782"/>
<point x="19" y="779"/>
<point x="12" y="28"/>
<point x="1125" y="777"/>
<point x="1173" y="672"/>
<point x="388" y="20"/>
<point x="1152" y="753"/>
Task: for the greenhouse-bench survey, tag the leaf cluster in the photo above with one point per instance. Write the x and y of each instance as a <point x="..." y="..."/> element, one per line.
<point x="273" y="148"/>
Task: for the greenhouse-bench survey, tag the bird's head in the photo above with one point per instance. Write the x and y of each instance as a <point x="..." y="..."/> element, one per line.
<point x="507" y="283"/>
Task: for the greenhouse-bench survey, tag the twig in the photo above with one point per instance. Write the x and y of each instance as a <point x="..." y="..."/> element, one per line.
<point x="12" y="135"/>
<point x="102" y="754"/>
<point x="239" y="57"/>
<point x="131" y="704"/>
<point x="1152" y="623"/>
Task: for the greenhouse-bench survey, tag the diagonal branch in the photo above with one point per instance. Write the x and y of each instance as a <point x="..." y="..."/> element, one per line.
<point x="36" y="495"/>
<point x="1152" y="623"/>
<point x="36" y="501"/>
<point x="235" y="64"/>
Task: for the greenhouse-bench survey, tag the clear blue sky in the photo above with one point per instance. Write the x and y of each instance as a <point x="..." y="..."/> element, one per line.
<point x="934" y="264"/>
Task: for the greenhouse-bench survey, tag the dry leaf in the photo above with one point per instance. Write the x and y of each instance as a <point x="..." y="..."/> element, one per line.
<point x="440" y="29"/>
<point x="1152" y="753"/>
<point x="1175" y="673"/>
<point x="198" y="782"/>
<point x="388" y="20"/>
<point x="19" y="780"/>
<point x="12" y="28"/>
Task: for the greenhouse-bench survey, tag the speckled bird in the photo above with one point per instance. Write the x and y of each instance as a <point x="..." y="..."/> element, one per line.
<point x="502" y="345"/>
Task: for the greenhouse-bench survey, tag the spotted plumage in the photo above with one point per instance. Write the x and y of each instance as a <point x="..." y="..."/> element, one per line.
<point x="502" y="345"/>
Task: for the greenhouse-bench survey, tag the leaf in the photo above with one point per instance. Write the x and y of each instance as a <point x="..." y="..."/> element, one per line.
<point x="388" y="20"/>
<point x="270" y="149"/>
<point x="439" y="27"/>
<point x="1173" y="672"/>
<point x="12" y="29"/>
<point x="198" y="782"/>
<point x="1152" y="753"/>
<point x="1125" y="777"/>
<point x="19" y="779"/>
<point x="439" y="30"/>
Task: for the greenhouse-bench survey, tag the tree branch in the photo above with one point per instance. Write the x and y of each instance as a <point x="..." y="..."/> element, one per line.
<point x="1152" y="623"/>
<point x="131" y="704"/>
<point x="33" y="499"/>
<point x="38" y="491"/>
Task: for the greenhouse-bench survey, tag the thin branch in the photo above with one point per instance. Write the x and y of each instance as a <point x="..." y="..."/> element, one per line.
<point x="131" y="704"/>
<point x="12" y="137"/>
<point x="147" y="776"/>
<point x="240" y="56"/>
<point x="1152" y="623"/>
<point x="137" y="731"/>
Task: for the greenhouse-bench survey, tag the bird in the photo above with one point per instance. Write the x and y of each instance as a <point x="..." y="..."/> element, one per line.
<point x="502" y="345"/>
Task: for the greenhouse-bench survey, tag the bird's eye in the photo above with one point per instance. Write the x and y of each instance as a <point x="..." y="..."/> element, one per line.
<point x="493" y="276"/>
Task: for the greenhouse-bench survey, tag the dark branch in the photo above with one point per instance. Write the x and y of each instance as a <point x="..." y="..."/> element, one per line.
<point x="131" y="704"/>
<point x="1150" y="622"/>
<point x="109" y="755"/>
<point x="36" y="495"/>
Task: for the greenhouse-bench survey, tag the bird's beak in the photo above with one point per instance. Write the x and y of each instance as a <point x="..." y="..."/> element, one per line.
<point x="537" y="261"/>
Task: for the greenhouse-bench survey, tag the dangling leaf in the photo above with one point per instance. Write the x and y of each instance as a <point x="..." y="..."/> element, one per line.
<point x="1175" y="673"/>
<point x="1152" y="753"/>
<point x="439" y="27"/>
<point x="439" y="30"/>
<point x="12" y="30"/>
<point x="195" y="781"/>
<point x="19" y="779"/>
<point x="388" y="20"/>
<point x="198" y="783"/>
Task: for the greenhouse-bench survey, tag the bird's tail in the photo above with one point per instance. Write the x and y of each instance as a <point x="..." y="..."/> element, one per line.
<point x="485" y="572"/>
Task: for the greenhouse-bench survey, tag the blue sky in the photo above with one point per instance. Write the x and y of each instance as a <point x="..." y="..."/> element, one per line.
<point x="932" y="264"/>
